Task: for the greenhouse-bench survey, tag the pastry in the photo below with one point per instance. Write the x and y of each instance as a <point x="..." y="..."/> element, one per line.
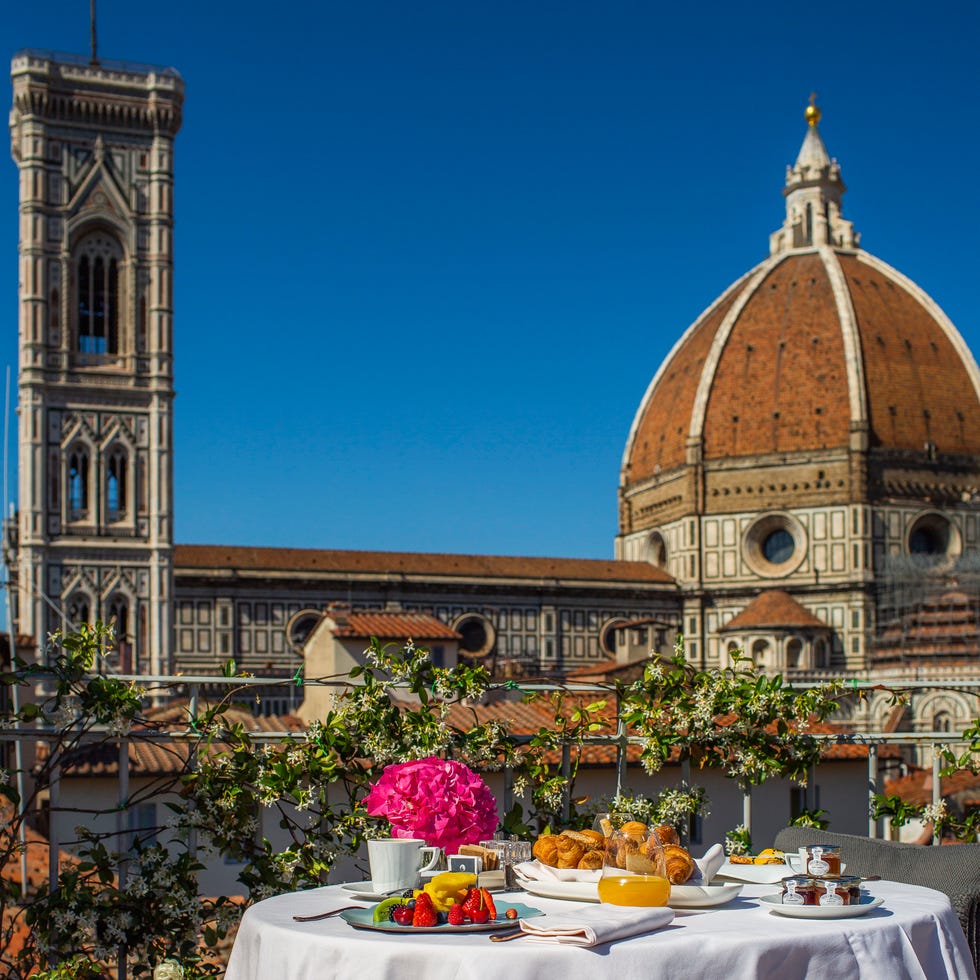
<point x="633" y="828"/>
<point x="667" y="834"/>
<point x="680" y="864"/>
<point x="546" y="850"/>
<point x="570" y="851"/>
<point x="592" y="860"/>
<point x="588" y="838"/>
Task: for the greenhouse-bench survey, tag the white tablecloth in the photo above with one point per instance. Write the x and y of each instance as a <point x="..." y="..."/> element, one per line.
<point x="914" y="935"/>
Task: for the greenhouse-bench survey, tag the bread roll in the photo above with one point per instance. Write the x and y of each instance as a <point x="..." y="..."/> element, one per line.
<point x="634" y="828"/>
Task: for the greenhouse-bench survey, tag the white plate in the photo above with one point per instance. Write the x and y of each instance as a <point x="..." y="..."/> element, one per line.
<point x="775" y="903"/>
<point x="756" y="874"/>
<point x="681" y="896"/>
<point x="366" y="891"/>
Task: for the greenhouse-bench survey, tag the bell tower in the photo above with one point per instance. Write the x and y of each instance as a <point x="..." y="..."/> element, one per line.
<point x="93" y="142"/>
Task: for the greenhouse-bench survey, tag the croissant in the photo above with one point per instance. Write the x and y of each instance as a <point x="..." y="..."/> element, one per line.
<point x="591" y="860"/>
<point x="621" y="847"/>
<point x="570" y="851"/>
<point x="667" y="834"/>
<point x="680" y="864"/>
<point x="546" y="850"/>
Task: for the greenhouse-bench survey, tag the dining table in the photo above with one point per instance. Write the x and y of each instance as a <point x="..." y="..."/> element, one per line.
<point x="912" y="935"/>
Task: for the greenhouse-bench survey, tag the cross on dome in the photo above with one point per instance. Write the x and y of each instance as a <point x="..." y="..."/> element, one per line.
<point x="813" y="192"/>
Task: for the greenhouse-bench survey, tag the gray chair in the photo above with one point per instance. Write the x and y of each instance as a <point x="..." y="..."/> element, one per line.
<point x="953" y="870"/>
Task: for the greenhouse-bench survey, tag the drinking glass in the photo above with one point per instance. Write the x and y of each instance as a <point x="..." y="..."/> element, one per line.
<point x="634" y="871"/>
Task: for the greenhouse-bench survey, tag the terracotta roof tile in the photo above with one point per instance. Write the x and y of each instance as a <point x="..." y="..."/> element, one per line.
<point x="783" y="360"/>
<point x="195" y="557"/>
<point x="916" y="787"/>
<point x="661" y="437"/>
<point x="904" y="351"/>
<point x="392" y="625"/>
<point x="774" y="608"/>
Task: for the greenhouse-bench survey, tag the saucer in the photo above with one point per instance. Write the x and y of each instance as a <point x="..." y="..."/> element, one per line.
<point x="365" y="890"/>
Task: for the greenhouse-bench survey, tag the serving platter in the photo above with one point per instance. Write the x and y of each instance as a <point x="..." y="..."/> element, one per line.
<point x="681" y="896"/>
<point x="364" y="919"/>
<point x="865" y="905"/>
<point x="756" y="874"/>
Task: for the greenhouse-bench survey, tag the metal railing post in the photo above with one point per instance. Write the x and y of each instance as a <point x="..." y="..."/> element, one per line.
<point x="872" y="789"/>
<point x="566" y="773"/>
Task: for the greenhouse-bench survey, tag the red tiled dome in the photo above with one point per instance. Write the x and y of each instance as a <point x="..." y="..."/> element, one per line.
<point x="809" y="346"/>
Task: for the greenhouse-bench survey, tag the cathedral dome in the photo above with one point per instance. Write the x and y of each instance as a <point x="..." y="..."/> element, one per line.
<point x="821" y="347"/>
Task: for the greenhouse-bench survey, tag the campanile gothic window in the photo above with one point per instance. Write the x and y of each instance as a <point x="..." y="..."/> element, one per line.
<point x="97" y="294"/>
<point x="115" y="484"/>
<point x="77" y="483"/>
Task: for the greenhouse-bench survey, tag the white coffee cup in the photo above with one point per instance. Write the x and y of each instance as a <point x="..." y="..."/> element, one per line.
<point x="396" y="862"/>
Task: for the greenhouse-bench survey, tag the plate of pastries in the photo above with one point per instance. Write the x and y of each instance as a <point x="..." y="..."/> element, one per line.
<point x="570" y="864"/>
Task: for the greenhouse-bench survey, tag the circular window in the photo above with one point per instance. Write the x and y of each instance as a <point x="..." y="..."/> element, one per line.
<point x="933" y="536"/>
<point x="778" y="546"/>
<point x="299" y="627"/>
<point x="608" y="633"/>
<point x="774" y="545"/>
<point x="477" y="635"/>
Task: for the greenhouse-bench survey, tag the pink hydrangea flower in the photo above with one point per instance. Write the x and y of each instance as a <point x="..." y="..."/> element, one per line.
<point x="440" y="801"/>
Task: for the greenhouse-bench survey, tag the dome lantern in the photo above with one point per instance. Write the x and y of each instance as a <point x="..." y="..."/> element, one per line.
<point x="813" y="192"/>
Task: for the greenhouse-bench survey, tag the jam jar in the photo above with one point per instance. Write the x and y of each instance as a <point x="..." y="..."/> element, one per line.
<point x="821" y="860"/>
<point x="836" y="890"/>
<point x="799" y="890"/>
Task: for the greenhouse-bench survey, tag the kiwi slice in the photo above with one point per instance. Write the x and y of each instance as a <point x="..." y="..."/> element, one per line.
<point x="382" y="911"/>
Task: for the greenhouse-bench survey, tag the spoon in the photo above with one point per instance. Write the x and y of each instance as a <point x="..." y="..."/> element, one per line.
<point x="325" y="915"/>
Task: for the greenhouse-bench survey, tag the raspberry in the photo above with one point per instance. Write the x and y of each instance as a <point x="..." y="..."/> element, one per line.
<point x="456" y="916"/>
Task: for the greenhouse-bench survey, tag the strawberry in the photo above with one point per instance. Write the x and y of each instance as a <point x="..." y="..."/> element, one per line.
<point x="488" y="903"/>
<point x="473" y="902"/>
<point x="425" y="913"/>
<point x="456" y="914"/>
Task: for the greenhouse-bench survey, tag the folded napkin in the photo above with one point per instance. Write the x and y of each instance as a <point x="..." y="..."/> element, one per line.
<point x="536" y="871"/>
<point x="705" y="869"/>
<point x="592" y="925"/>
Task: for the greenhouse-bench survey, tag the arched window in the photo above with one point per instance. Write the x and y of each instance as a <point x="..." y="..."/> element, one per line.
<point x="942" y="721"/>
<point x="794" y="653"/>
<point x="117" y="610"/>
<point x="760" y="652"/>
<point x="77" y="484"/>
<point x="79" y="609"/>
<point x="116" y="484"/>
<point x="98" y="257"/>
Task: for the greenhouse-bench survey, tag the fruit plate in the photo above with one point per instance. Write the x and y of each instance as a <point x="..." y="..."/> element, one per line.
<point x="364" y="919"/>
<point x="681" y="896"/>
<point x="865" y="905"/>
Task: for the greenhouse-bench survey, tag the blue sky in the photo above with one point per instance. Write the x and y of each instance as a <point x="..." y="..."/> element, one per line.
<point x="429" y="255"/>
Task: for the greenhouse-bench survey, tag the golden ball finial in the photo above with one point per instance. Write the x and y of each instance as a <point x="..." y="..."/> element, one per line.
<point x="812" y="113"/>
